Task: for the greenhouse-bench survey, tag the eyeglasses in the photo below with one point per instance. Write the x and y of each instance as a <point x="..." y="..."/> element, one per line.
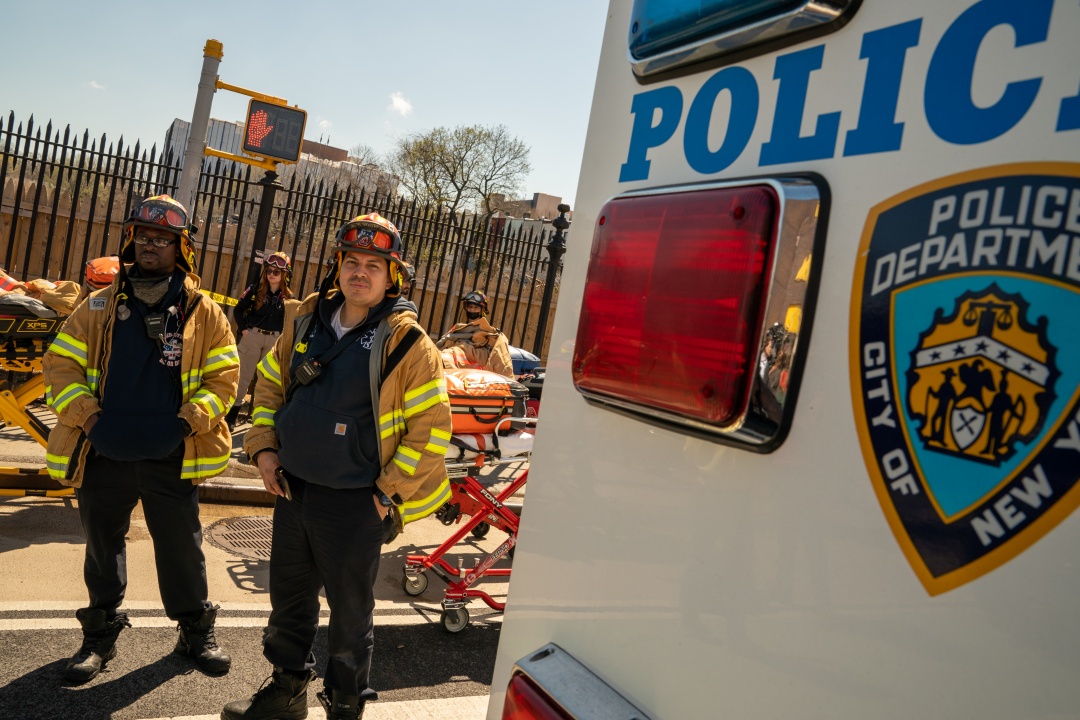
<point x="159" y="212"/>
<point x="364" y="237"/>
<point x="274" y="271"/>
<point x="277" y="261"/>
<point x="157" y="242"/>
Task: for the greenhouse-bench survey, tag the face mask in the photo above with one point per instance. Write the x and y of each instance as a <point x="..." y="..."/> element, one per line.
<point x="473" y="315"/>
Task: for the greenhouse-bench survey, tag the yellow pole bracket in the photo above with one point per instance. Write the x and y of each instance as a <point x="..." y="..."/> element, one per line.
<point x="256" y="161"/>
<point x="251" y="93"/>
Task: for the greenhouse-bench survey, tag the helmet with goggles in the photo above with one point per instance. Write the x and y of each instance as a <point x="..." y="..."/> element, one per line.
<point x="372" y="234"/>
<point x="161" y="212"/>
<point x="476" y="298"/>
<point x="279" y="261"/>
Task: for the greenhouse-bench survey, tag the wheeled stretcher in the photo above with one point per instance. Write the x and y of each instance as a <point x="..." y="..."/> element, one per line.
<point x="484" y="511"/>
<point x="27" y="328"/>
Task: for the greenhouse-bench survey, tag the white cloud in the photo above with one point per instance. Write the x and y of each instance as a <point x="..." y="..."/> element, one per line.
<point x="325" y="124"/>
<point x="96" y="85"/>
<point x="400" y="105"/>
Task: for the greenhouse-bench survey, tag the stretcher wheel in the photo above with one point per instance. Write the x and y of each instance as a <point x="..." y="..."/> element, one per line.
<point x="481" y="530"/>
<point x="414" y="584"/>
<point x="455" y="620"/>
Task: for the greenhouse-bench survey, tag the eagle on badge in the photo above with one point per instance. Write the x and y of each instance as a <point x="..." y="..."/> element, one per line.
<point x="982" y="379"/>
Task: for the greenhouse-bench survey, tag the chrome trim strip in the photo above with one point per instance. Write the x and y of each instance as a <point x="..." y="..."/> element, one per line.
<point x="763" y="422"/>
<point x="576" y="688"/>
<point x="808" y="16"/>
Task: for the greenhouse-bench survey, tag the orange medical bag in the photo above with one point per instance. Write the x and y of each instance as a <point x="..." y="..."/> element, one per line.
<point x="480" y="398"/>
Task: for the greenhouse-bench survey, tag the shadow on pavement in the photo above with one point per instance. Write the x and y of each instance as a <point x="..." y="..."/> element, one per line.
<point x="41" y="693"/>
<point x="35" y="521"/>
<point x="251" y="576"/>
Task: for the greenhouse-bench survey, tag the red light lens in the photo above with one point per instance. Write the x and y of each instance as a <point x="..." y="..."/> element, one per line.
<point x="674" y="300"/>
<point x="526" y="701"/>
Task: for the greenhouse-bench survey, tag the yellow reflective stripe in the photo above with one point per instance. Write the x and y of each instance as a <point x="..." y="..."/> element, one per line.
<point x="440" y="441"/>
<point x="263" y="416"/>
<point x="69" y="393"/>
<point x="390" y="423"/>
<point x="67" y="346"/>
<point x="203" y="467"/>
<point x="191" y="381"/>
<point x="416" y="509"/>
<point x="268" y="366"/>
<point x="57" y="465"/>
<point x="93" y="378"/>
<point x="425" y="396"/>
<point x="221" y="357"/>
<point x="48" y="395"/>
<point x="407" y="459"/>
<point x="213" y="403"/>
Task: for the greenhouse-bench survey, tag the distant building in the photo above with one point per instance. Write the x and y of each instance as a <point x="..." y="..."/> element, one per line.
<point x="222" y="135"/>
<point x="541" y="207"/>
<point x="324" y="152"/>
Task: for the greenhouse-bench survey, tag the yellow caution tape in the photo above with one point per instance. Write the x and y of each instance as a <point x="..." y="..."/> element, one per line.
<point x="220" y="299"/>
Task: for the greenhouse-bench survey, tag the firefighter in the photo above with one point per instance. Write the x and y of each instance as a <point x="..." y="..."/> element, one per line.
<point x="484" y="346"/>
<point x="260" y="316"/>
<point x="346" y="452"/>
<point x="140" y="378"/>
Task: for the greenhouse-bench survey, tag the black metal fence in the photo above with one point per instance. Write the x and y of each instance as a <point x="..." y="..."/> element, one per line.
<point x="63" y="199"/>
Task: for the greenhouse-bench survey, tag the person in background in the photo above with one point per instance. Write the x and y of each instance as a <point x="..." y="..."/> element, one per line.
<point x="351" y="421"/>
<point x="484" y="346"/>
<point x="408" y="277"/>
<point x="260" y="316"/>
<point x="140" y="377"/>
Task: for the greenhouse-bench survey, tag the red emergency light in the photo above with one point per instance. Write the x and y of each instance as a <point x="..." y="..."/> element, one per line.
<point x="550" y="684"/>
<point x="695" y="306"/>
<point x="525" y="701"/>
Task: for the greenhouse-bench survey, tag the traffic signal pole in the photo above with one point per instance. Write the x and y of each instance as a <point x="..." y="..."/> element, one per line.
<point x="200" y="119"/>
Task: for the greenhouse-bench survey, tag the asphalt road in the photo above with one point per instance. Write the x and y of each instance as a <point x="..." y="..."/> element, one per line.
<point x="419" y="670"/>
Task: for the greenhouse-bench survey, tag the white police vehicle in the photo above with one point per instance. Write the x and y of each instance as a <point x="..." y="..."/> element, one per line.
<point x="811" y="436"/>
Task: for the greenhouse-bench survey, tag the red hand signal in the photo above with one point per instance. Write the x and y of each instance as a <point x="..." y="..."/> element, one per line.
<point x="257" y="128"/>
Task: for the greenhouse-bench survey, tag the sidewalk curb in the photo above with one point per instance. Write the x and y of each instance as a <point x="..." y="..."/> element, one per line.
<point x="225" y="493"/>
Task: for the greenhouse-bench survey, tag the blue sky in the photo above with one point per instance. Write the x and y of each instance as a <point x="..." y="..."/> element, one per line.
<point x="366" y="72"/>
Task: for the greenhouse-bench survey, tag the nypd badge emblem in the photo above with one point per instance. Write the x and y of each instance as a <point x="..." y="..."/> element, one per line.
<point x="965" y="364"/>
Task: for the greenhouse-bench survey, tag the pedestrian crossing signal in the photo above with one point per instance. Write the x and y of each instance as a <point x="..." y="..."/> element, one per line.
<point x="275" y="132"/>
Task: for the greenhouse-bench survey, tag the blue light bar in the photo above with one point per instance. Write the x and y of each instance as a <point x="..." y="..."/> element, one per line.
<point x="667" y="34"/>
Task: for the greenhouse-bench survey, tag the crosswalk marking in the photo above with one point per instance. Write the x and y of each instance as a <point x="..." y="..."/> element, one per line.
<point x="61" y="615"/>
<point x="453" y="708"/>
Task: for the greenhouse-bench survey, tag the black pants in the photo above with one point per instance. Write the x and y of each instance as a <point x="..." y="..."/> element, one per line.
<point x="325" y="539"/>
<point x="108" y="494"/>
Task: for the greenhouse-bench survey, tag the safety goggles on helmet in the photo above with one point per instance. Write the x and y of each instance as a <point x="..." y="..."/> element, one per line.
<point x="475" y="298"/>
<point x="277" y="260"/>
<point x="162" y="212"/>
<point x="366" y="237"/>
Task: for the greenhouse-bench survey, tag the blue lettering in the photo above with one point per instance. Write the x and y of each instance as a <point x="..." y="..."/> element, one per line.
<point x="884" y="50"/>
<point x="645" y="135"/>
<point x="785" y="145"/>
<point x="950" y="111"/>
<point x="1069" y="115"/>
<point x="744" y="109"/>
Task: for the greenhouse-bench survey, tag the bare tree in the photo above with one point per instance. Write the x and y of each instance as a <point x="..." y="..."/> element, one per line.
<point x="461" y="168"/>
<point x="505" y="164"/>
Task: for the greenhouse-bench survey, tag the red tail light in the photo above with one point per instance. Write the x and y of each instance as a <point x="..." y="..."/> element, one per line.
<point x="682" y="286"/>
<point x="550" y="684"/>
<point x="525" y="701"/>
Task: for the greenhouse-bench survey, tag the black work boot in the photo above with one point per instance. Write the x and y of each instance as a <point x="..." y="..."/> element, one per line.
<point x="99" y="643"/>
<point x="340" y="706"/>
<point x="197" y="640"/>
<point x="231" y="416"/>
<point x="283" y="696"/>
